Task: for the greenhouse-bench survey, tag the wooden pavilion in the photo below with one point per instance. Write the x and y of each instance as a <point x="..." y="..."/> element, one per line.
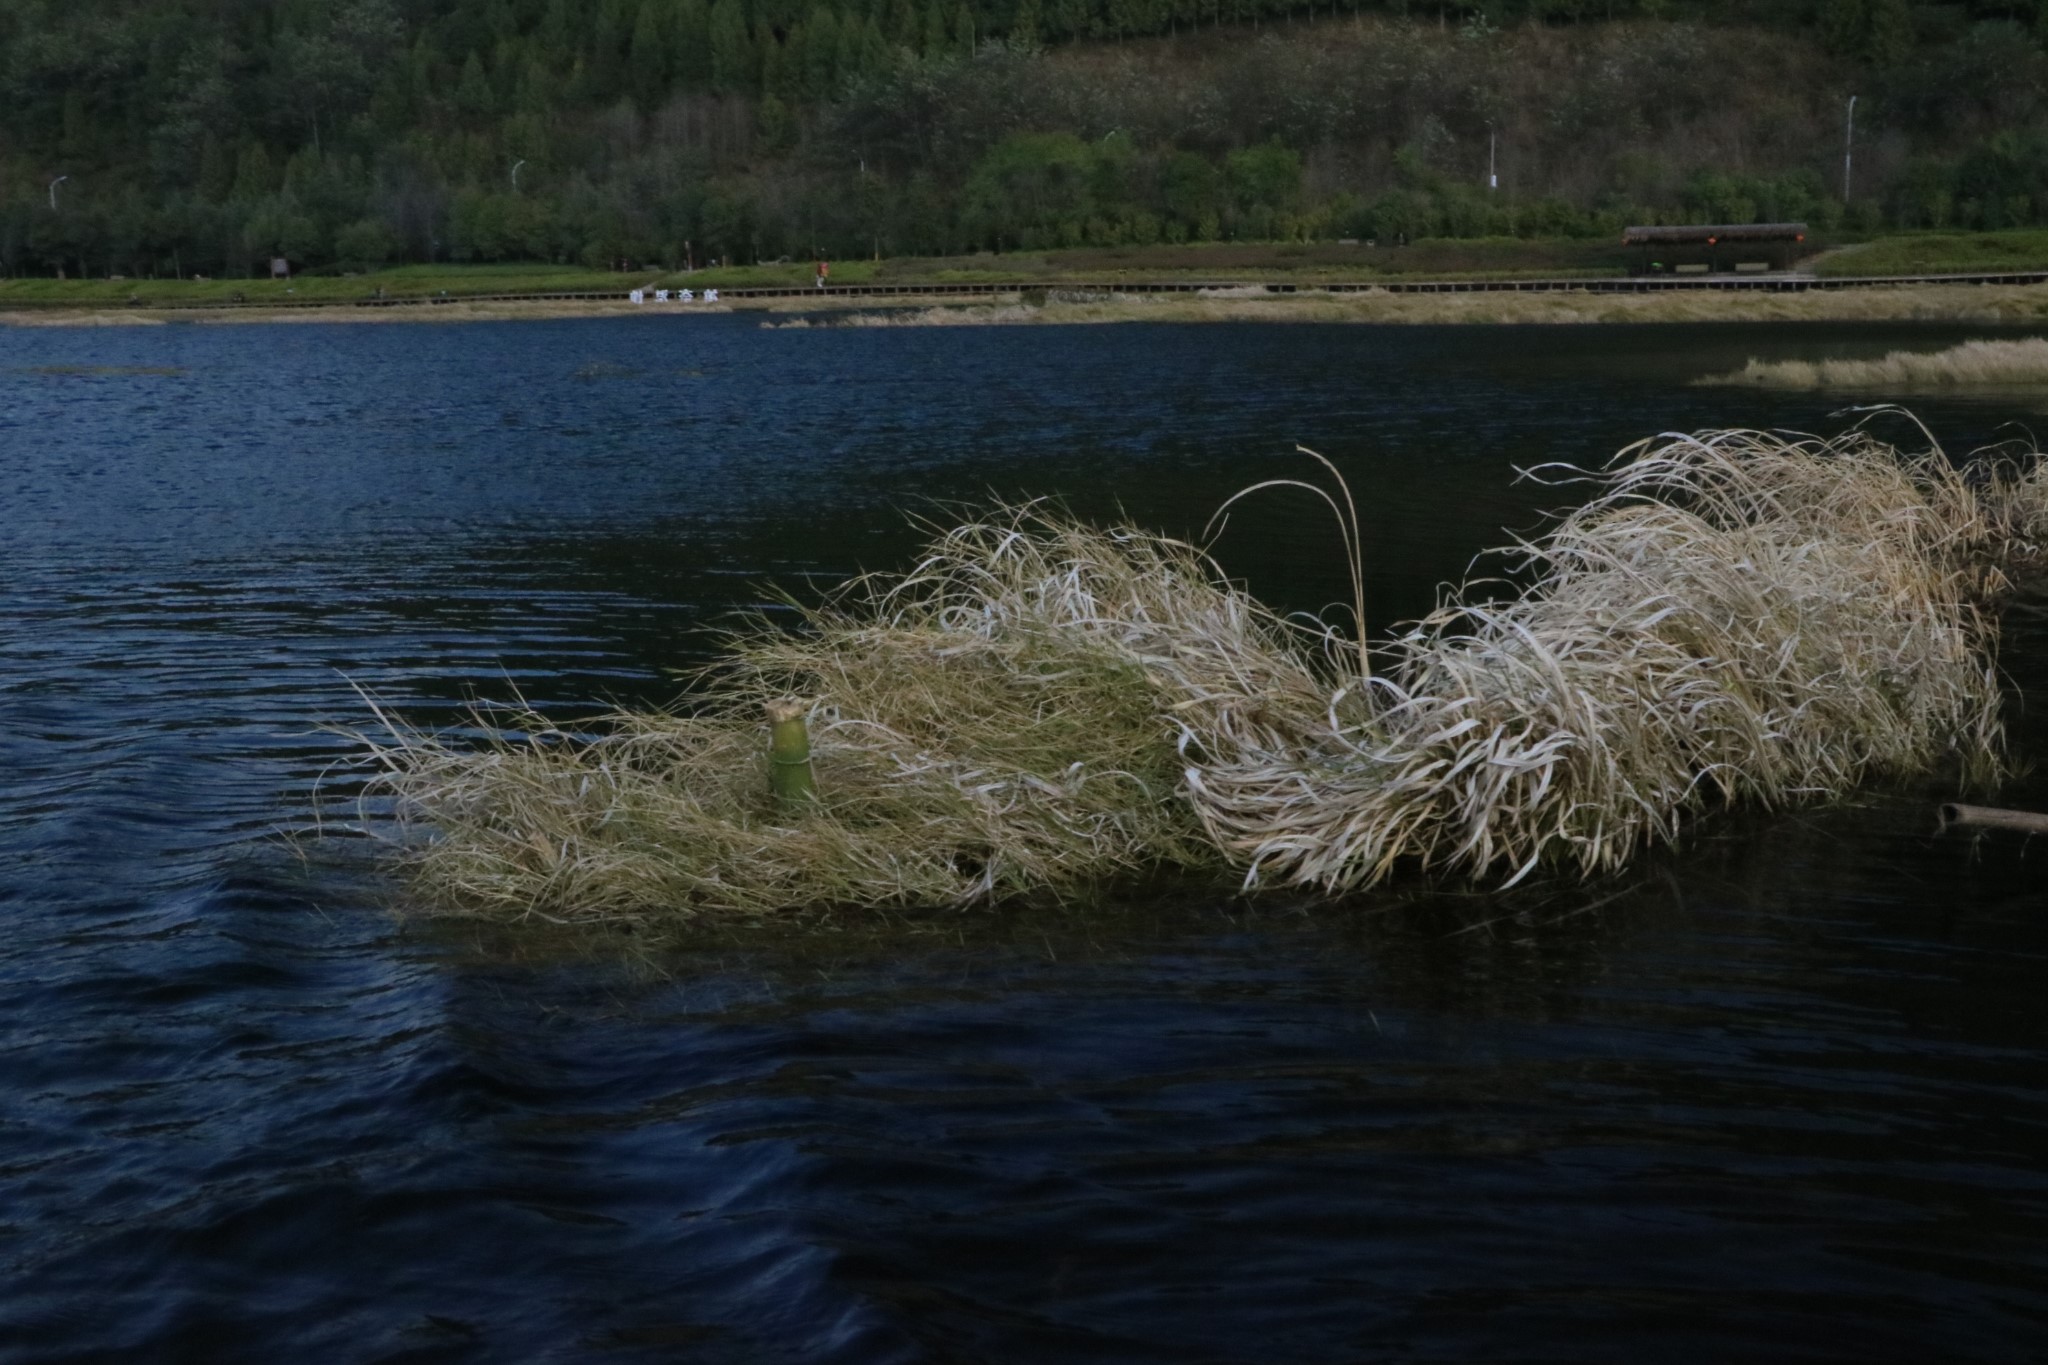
<point x="1715" y="247"/>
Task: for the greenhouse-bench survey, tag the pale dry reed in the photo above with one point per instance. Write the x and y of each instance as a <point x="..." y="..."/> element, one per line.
<point x="1732" y="617"/>
<point x="1988" y="304"/>
<point x="997" y="720"/>
<point x="1973" y="364"/>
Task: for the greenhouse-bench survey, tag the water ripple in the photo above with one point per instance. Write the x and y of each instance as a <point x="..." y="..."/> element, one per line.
<point x="1781" y="1100"/>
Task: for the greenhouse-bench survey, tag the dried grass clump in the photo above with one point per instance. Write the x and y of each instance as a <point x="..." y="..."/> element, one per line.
<point x="2024" y="501"/>
<point x="995" y="721"/>
<point x="1973" y="364"/>
<point x="1733" y="616"/>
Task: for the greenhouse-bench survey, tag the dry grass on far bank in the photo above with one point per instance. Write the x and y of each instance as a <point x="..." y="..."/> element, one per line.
<point x="1917" y="303"/>
<point x="1973" y="364"/>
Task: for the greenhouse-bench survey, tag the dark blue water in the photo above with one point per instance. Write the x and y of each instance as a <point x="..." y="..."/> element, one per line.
<point x="1778" y="1095"/>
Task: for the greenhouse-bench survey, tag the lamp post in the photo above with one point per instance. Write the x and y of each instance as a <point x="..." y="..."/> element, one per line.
<point x="515" y="173"/>
<point x="1848" y="150"/>
<point x="53" y="191"/>
<point x="1492" y="179"/>
<point x="868" y="209"/>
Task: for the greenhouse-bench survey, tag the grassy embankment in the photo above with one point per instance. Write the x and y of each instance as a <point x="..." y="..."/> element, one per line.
<point x="1307" y="265"/>
<point x="1938" y="253"/>
<point x="400" y="282"/>
<point x="1734" y="618"/>
<point x="1303" y="263"/>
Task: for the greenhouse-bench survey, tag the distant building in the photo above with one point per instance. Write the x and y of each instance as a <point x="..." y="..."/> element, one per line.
<point x="1714" y="247"/>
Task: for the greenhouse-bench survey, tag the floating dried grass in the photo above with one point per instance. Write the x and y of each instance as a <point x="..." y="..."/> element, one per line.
<point x="998" y="720"/>
<point x="1037" y="706"/>
<point x="1733" y="616"/>
<point x="1973" y="364"/>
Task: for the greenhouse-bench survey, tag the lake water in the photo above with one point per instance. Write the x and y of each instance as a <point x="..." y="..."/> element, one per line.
<point x="1778" y="1095"/>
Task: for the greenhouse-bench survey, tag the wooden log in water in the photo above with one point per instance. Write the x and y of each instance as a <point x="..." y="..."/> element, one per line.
<point x="1990" y="817"/>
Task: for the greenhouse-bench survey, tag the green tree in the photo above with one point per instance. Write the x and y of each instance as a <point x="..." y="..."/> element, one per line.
<point x="821" y="53"/>
<point x="1888" y="36"/>
<point x="775" y="124"/>
<point x="1030" y="189"/>
<point x="733" y="60"/>
<point x="1843" y="24"/>
<point x="851" y="59"/>
<point x="781" y="77"/>
<point x="1268" y="176"/>
<point x="1189" y="188"/>
<point x="1879" y="32"/>
<point x="557" y="30"/>
<point x="906" y="30"/>
<point x="649" y="55"/>
<point x="1024" y="23"/>
<point x="327" y="71"/>
<point x="692" y="45"/>
<point x="255" y="177"/>
<point x="365" y="244"/>
<point x="606" y="56"/>
<point x="216" y="176"/>
<point x="473" y="94"/>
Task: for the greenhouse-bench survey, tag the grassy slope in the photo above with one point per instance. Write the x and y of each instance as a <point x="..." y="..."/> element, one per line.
<point x="1940" y="253"/>
<point x="1233" y="261"/>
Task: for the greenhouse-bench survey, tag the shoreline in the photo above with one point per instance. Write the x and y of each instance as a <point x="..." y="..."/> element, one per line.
<point x="1969" y="303"/>
<point x="1954" y="303"/>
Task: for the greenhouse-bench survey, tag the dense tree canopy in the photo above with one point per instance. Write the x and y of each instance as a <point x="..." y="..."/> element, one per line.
<point x="205" y="135"/>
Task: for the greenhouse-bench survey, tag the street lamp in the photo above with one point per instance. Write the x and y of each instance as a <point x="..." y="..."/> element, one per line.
<point x="515" y="173"/>
<point x="53" y="191"/>
<point x="1848" y="150"/>
<point x="867" y="204"/>
<point x="1492" y="180"/>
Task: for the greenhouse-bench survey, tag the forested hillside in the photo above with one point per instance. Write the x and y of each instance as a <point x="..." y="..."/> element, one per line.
<point x="208" y="135"/>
